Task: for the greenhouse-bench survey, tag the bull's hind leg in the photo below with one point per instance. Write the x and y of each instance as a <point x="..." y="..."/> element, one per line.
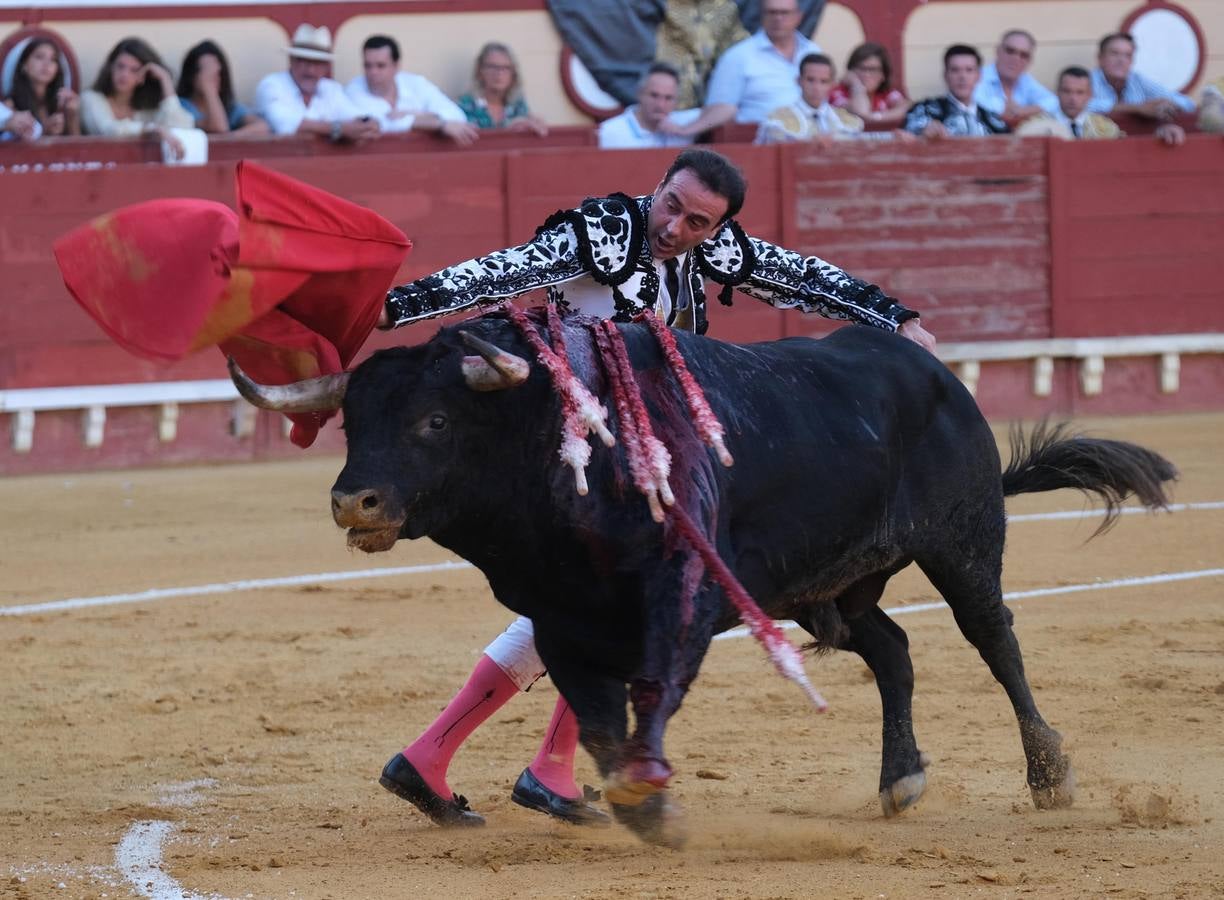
<point x="884" y="646"/>
<point x="856" y="623"/>
<point x="971" y="588"/>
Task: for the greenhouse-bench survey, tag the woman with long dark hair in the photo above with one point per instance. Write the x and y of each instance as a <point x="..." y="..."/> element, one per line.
<point x="206" y="91"/>
<point x="867" y="89"/>
<point x="38" y="88"/>
<point x="134" y="95"/>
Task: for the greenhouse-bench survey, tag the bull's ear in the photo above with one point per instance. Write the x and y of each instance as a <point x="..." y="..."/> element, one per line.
<point x="494" y="369"/>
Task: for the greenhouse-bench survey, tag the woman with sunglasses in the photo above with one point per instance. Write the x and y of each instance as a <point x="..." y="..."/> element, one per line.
<point x="867" y="89"/>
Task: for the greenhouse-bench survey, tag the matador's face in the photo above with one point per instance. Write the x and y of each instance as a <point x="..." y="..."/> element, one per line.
<point x="683" y="213"/>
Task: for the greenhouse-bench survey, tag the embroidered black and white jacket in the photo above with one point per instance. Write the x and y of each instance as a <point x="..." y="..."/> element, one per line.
<point x="596" y="260"/>
<point x="959" y="120"/>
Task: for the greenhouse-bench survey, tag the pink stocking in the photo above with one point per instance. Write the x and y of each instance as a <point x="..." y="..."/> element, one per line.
<point x="554" y="764"/>
<point x="487" y="690"/>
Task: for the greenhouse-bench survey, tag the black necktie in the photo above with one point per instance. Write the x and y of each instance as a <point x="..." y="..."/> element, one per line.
<point x="672" y="266"/>
<point x="1075" y="128"/>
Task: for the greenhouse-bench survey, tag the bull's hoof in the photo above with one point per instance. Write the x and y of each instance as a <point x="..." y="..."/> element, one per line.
<point x="656" y="820"/>
<point x="636" y="781"/>
<point x="902" y="794"/>
<point x="630" y="793"/>
<point x="1056" y="796"/>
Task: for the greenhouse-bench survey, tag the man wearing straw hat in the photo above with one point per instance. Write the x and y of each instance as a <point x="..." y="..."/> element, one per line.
<point x="303" y="100"/>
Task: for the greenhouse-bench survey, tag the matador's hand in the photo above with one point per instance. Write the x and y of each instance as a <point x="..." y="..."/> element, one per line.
<point x="919" y="335"/>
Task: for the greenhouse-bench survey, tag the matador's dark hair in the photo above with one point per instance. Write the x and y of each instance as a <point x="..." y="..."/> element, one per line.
<point x="716" y="172"/>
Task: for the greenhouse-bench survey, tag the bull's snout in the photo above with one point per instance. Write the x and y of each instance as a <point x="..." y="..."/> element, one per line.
<point x="369" y="508"/>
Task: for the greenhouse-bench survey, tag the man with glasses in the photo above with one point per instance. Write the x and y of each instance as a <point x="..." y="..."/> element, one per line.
<point x="756" y="75"/>
<point x="1006" y="88"/>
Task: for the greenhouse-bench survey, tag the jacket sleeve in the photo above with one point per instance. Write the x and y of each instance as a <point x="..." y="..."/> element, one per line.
<point x="788" y="280"/>
<point x="551" y="258"/>
<point x="921" y="115"/>
<point x="172" y="114"/>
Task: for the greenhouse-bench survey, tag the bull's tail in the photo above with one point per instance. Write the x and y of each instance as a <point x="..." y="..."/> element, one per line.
<point x="1051" y="458"/>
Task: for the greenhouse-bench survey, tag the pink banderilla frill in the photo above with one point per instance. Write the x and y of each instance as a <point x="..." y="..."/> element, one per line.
<point x="649" y="460"/>
<point x="709" y="429"/>
<point x="581" y="413"/>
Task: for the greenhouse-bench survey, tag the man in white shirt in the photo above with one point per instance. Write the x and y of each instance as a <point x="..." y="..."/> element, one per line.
<point x="402" y="101"/>
<point x="756" y="75"/>
<point x="1117" y="88"/>
<point x="304" y="100"/>
<point x="638" y="125"/>
<point x="811" y="117"/>
<point x="1006" y="88"/>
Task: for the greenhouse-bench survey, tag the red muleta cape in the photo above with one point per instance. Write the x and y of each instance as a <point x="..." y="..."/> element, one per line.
<point x="290" y="286"/>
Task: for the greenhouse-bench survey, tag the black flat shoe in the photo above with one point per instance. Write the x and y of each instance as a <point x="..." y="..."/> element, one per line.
<point x="402" y="779"/>
<point x="529" y="792"/>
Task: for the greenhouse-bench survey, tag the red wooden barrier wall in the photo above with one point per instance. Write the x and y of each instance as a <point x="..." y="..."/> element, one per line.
<point x="991" y="239"/>
<point x="1138" y="232"/>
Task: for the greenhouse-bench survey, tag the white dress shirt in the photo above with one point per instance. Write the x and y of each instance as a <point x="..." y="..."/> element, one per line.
<point x="625" y="132"/>
<point x="756" y="78"/>
<point x="966" y="122"/>
<point x="1027" y="91"/>
<point x="279" y="100"/>
<point x="415" y="94"/>
<point x="1137" y="89"/>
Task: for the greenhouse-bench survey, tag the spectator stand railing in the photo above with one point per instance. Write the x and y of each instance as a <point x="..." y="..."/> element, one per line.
<point x="53" y="153"/>
<point x="965" y="359"/>
<point x="1089" y="353"/>
<point x="23" y="404"/>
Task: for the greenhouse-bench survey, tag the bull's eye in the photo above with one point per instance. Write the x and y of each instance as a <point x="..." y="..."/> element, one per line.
<point x="437" y="422"/>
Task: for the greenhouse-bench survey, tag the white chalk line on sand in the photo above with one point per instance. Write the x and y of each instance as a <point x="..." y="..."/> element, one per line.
<point x="1124" y="511"/>
<point x="895" y="611"/>
<point x="252" y="584"/>
<point x="226" y="587"/>
<point x="139" y="854"/>
<point x="139" y="858"/>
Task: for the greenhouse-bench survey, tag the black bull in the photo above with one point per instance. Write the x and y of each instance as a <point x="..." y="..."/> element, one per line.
<point x="856" y="455"/>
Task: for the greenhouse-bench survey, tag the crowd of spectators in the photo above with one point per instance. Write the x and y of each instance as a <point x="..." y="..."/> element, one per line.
<point x="777" y="80"/>
<point x="134" y="95"/>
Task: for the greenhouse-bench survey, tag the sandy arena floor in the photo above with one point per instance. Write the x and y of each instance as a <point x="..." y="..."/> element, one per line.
<point x="228" y="744"/>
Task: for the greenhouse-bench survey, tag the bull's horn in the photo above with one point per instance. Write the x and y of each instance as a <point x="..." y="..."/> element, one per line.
<point x="310" y="395"/>
<point x="494" y="369"/>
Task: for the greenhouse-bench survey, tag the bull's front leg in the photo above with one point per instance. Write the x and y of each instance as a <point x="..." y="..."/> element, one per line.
<point x="598" y="701"/>
<point x="673" y="654"/>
